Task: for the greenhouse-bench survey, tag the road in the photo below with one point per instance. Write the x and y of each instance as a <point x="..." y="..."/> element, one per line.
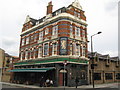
<point x="8" y="87"/>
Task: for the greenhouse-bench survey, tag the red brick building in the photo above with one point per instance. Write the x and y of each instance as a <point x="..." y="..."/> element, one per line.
<point x="46" y="43"/>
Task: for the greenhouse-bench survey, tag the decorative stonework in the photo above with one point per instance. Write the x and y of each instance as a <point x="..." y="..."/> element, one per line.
<point x="27" y="19"/>
<point x="77" y="4"/>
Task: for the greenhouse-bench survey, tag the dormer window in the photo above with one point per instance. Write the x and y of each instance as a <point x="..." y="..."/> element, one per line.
<point x="37" y="22"/>
<point x="58" y="12"/>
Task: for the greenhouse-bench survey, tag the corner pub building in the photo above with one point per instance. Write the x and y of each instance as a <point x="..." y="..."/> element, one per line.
<point x="54" y="47"/>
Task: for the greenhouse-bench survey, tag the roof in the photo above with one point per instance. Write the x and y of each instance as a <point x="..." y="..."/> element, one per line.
<point x="107" y="56"/>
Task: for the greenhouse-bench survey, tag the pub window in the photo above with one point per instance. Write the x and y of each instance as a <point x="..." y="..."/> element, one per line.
<point x="97" y="76"/>
<point x="46" y="49"/>
<point x="23" y="41"/>
<point x="55" y="30"/>
<point x="71" y="30"/>
<point x="118" y="76"/>
<point x="23" y="55"/>
<point x="54" y="49"/>
<point x="78" y="49"/>
<point x="77" y="31"/>
<point x="32" y="38"/>
<point x="75" y="13"/>
<point x="40" y="35"/>
<point x="36" y="36"/>
<point x="79" y="14"/>
<point x="40" y="52"/>
<point x="27" y="40"/>
<point x="83" y="33"/>
<point x="26" y="55"/>
<point x="71" y="48"/>
<point x="46" y="31"/>
<point x="83" y="50"/>
<point x="108" y="76"/>
<point x="32" y="51"/>
<point x="83" y="75"/>
<point x="35" y="53"/>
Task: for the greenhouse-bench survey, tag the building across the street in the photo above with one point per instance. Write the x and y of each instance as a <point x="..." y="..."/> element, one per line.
<point x="106" y="69"/>
<point x="5" y="65"/>
<point x="54" y="47"/>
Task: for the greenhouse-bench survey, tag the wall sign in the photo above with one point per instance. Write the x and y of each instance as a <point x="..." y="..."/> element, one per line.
<point x="63" y="45"/>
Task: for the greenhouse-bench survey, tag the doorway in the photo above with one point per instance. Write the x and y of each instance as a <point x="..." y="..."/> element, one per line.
<point x="62" y="77"/>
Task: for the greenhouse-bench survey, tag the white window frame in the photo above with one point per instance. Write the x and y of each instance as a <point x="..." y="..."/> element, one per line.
<point x="44" y="48"/>
<point x="83" y="51"/>
<point x="71" y="29"/>
<point x="55" y="30"/>
<point x="27" y="40"/>
<point x="83" y="33"/>
<point x="71" y="49"/>
<point x="54" y="48"/>
<point x="77" y="31"/>
<point x="26" y="55"/>
<point x="46" y="31"/>
<point x="78" y="49"/>
<point x="41" y="35"/>
<point x="79" y="14"/>
<point x="40" y="52"/>
<point x="23" y="41"/>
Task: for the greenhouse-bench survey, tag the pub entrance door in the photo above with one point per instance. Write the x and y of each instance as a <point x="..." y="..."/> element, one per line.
<point x="62" y="77"/>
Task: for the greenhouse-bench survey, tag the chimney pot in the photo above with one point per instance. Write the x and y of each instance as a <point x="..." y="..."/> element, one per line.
<point x="49" y="8"/>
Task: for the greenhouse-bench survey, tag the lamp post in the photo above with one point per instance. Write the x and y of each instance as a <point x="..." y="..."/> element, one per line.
<point x="92" y="58"/>
<point x="65" y="63"/>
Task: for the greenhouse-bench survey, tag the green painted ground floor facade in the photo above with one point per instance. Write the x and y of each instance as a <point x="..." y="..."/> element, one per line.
<point x="37" y="71"/>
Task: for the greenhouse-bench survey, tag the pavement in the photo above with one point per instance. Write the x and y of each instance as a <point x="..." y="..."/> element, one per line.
<point x="107" y="85"/>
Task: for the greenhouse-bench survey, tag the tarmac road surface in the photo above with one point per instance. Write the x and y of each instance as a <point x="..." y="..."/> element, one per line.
<point x="9" y="87"/>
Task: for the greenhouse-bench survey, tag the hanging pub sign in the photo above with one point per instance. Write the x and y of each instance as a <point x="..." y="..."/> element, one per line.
<point x="63" y="46"/>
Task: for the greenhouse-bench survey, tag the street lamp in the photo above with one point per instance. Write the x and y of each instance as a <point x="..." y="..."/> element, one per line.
<point x="92" y="58"/>
<point x="65" y="63"/>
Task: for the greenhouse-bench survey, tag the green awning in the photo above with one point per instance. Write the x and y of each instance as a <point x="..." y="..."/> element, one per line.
<point x="54" y="60"/>
<point x="32" y="70"/>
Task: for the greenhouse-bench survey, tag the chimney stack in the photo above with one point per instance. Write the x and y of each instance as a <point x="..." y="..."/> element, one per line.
<point x="49" y="8"/>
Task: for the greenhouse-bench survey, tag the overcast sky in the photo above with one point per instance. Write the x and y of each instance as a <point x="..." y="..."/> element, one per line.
<point x="102" y="15"/>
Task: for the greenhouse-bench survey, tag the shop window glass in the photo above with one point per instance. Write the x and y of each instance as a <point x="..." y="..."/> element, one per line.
<point x="97" y="76"/>
<point x="108" y="76"/>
